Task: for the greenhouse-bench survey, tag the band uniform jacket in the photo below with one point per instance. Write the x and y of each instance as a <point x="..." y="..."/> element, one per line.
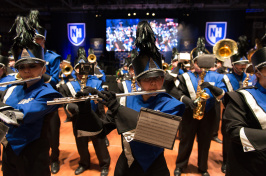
<point x="7" y="78"/>
<point x="234" y="81"/>
<point x="245" y="123"/>
<point x="125" y="120"/>
<point x="32" y="102"/>
<point x="52" y="66"/>
<point x="188" y="84"/>
<point x="71" y="88"/>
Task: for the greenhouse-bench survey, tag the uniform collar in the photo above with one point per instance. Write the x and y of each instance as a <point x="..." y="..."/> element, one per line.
<point x="261" y="89"/>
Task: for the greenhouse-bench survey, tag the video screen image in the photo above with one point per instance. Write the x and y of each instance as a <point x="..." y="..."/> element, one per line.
<point x="121" y="33"/>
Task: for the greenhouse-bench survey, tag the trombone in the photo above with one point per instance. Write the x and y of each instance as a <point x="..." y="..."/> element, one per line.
<point x="95" y="97"/>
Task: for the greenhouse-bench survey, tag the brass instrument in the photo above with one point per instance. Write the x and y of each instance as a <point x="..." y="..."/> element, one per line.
<point x="245" y="82"/>
<point x="133" y="84"/>
<point x="249" y="71"/>
<point x="92" y="58"/>
<point x="224" y="49"/>
<point x="258" y="45"/>
<point x="95" y="97"/>
<point x="83" y="82"/>
<point x="67" y="69"/>
<point x="201" y="99"/>
<point x="20" y="81"/>
<point x="165" y="66"/>
<point x="17" y="76"/>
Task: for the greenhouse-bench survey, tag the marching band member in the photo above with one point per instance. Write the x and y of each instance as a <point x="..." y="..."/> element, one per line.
<point x="70" y="89"/>
<point x="244" y="122"/>
<point x="189" y="85"/>
<point x="11" y="62"/>
<point x="129" y="84"/>
<point x="26" y="151"/>
<point x="51" y="76"/>
<point x="4" y="77"/>
<point x="66" y="71"/>
<point x="235" y="80"/>
<point x="122" y="73"/>
<point x="137" y="158"/>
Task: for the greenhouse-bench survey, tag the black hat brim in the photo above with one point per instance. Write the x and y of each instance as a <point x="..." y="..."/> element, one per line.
<point x="29" y="60"/>
<point x="151" y="74"/>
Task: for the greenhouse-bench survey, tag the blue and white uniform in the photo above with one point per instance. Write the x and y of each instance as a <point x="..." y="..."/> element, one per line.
<point x="145" y="154"/>
<point x="32" y="102"/>
<point x="234" y="81"/>
<point x="244" y="120"/>
<point x="7" y="78"/>
<point x="70" y="89"/>
<point x="187" y="92"/>
<point x="52" y="66"/>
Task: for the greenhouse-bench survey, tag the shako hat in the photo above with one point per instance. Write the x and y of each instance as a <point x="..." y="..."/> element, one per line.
<point x="258" y="59"/>
<point x="241" y="56"/>
<point x="81" y="57"/>
<point x="148" y="63"/>
<point x="24" y="49"/>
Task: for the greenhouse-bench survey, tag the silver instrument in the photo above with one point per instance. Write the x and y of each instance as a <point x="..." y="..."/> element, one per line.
<point x="95" y="97"/>
<point x="20" y="81"/>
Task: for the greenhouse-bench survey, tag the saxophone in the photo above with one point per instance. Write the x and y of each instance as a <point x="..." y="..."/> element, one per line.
<point x="133" y="84"/>
<point x="245" y="82"/>
<point x="201" y="99"/>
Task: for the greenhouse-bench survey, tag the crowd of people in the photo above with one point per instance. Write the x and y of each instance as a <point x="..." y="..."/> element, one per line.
<point x="199" y="87"/>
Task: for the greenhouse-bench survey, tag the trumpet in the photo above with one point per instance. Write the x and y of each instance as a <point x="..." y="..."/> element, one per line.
<point x="20" y="81"/>
<point x="67" y="69"/>
<point x="91" y="58"/>
<point x="165" y="66"/>
<point x="95" y="97"/>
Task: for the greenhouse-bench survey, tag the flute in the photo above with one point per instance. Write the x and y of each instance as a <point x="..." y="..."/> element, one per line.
<point x="95" y="97"/>
<point x="20" y="81"/>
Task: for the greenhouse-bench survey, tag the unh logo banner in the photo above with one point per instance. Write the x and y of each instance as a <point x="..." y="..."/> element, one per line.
<point x="76" y="33"/>
<point x="215" y="31"/>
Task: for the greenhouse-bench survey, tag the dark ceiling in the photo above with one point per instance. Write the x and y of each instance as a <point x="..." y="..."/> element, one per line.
<point x="20" y="6"/>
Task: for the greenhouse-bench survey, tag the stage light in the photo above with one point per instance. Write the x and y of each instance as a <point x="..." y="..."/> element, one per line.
<point x="96" y="15"/>
<point x="134" y="14"/>
<point x="153" y="14"/>
<point x="128" y="14"/>
<point x="147" y="13"/>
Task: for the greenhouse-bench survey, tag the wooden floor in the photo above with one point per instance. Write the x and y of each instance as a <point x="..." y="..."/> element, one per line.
<point x="69" y="157"/>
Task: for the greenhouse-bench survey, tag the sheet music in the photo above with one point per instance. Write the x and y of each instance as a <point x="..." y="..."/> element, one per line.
<point x="156" y="129"/>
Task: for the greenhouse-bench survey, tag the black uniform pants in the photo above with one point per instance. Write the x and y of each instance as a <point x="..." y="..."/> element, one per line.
<point x="33" y="160"/>
<point x="226" y="142"/>
<point x="54" y="134"/>
<point x="99" y="146"/>
<point x="204" y="131"/>
<point x="158" y="167"/>
<point x="217" y="118"/>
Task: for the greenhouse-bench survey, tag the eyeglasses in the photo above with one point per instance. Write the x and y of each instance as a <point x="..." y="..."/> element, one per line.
<point x="29" y="66"/>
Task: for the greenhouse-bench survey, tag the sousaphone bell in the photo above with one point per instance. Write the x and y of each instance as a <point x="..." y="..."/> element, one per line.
<point x="224" y="49"/>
